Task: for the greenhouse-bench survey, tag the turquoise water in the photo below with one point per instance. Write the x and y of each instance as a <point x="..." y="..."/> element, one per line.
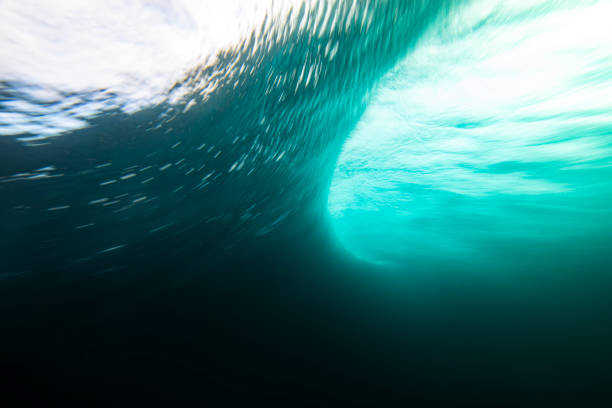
<point x="489" y="143"/>
<point x="343" y="203"/>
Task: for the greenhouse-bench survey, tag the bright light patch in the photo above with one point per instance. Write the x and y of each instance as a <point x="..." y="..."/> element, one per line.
<point x="76" y="59"/>
<point x="494" y="134"/>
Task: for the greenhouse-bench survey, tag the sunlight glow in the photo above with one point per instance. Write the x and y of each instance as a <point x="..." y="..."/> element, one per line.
<point x="502" y="101"/>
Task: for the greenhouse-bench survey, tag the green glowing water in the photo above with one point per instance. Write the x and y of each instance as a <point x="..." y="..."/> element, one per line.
<point x="490" y="143"/>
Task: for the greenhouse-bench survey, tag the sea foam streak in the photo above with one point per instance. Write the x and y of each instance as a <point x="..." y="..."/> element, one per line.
<point x="229" y="138"/>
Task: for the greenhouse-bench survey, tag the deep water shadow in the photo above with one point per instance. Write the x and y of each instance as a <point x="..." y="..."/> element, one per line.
<point x="302" y="329"/>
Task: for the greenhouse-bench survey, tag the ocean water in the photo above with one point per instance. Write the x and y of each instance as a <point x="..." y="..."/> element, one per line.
<point x="306" y="202"/>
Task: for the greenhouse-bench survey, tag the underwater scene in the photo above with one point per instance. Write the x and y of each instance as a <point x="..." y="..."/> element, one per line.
<point x="306" y="203"/>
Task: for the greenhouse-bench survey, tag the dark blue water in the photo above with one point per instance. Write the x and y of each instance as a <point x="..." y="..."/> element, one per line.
<point x="190" y="250"/>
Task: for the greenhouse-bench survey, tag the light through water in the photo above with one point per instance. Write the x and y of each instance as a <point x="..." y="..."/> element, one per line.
<point x="490" y="142"/>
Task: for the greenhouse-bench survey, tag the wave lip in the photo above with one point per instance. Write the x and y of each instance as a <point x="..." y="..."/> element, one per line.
<point x="242" y="145"/>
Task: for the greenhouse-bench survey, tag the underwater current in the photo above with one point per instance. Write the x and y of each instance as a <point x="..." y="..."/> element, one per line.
<point x="315" y="202"/>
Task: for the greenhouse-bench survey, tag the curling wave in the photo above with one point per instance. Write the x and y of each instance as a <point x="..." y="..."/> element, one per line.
<point x="243" y="143"/>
